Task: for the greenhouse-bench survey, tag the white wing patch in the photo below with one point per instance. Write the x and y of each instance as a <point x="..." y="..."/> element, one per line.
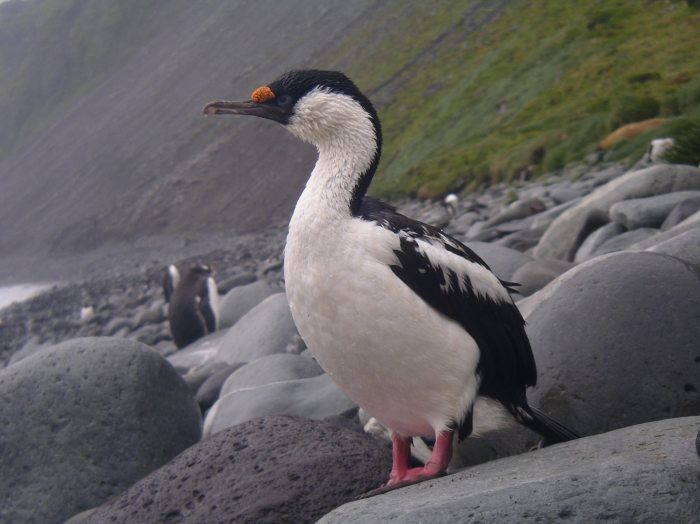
<point x="483" y="282"/>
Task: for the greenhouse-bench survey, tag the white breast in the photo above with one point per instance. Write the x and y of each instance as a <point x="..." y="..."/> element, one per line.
<point x="409" y="366"/>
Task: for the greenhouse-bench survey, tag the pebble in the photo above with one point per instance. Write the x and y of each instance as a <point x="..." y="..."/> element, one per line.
<point x="237" y="302"/>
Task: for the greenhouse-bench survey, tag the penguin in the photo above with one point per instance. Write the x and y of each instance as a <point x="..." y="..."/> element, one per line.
<point x="194" y="306"/>
<point x="171" y="278"/>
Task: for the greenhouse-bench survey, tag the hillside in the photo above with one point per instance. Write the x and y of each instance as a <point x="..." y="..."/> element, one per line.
<point x="102" y="140"/>
<point x="476" y="90"/>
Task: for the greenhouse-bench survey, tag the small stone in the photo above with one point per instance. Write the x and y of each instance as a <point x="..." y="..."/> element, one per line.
<point x="196" y="376"/>
<point x="118" y="324"/>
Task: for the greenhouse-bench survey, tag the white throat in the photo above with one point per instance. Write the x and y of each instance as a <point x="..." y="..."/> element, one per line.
<point x="345" y="137"/>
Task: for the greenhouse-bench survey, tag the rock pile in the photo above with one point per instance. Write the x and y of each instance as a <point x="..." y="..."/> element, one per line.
<point x="607" y="259"/>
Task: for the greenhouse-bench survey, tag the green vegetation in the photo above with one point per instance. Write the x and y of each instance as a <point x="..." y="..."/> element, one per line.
<point x="687" y="147"/>
<point x="469" y="93"/>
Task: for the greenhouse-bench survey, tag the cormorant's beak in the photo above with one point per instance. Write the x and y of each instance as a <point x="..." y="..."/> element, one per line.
<point x="248" y="107"/>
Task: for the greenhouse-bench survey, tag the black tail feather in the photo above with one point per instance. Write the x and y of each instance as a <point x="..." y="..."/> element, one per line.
<point x="534" y="419"/>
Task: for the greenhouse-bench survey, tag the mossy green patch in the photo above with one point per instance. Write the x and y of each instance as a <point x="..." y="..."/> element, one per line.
<point x="472" y="91"/>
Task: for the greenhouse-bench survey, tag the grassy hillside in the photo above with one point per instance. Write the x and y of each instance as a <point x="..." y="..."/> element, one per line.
<point x="470" y="91"/>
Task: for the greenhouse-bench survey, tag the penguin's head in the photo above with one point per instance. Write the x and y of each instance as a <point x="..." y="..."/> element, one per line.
<point x="202" y="270"/>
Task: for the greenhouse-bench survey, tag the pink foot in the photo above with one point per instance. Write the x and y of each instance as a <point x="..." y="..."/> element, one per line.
<point x="402" y="476"/>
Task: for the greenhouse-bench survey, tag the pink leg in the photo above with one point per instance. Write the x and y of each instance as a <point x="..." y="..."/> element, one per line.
<point x="402" y="476"/>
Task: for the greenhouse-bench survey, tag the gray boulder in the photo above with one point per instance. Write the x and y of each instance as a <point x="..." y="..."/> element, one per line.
<point x="208" y="392"/>
<point x="84" y="420"/>
<point x="315" y="398"/>
<point x="596" y="239"/>
<point x="624" y="241"/>
<point x="241" y="279"/>
<point x="265" y="330"/>
<point x="534" y="275"/>
<point x="616" y="342"/>
<point x="682" y="211"/>
<point x="196" y="376"/>
<point x="649" y="211"/>
<point x="692" y="222"/>
<point x="273" y="470"/>
<point x="273" y="368"/>
<point x="518" y="209"/>
<point x="237" y="302"/>
<point x="561" y="195"/>
<point x="197" y="353"/>
<point x="503" y="261"/>
<point x="646" y="473"/>
<point x="685" y="246"/>
<point x="567" y="232"/>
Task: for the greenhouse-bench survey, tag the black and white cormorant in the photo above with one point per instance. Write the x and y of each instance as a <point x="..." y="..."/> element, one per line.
<point x="409" y="322"/>
<point x="194" y="306"/>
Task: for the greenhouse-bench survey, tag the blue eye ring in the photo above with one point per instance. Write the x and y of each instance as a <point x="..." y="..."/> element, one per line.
<point x="284" y="100"/>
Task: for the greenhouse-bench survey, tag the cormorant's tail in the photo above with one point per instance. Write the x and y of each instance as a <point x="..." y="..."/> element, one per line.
<point x="534" y="419"/>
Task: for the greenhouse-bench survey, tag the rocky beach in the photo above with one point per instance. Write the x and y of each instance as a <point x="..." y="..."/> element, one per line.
<point x="244" y="426"/>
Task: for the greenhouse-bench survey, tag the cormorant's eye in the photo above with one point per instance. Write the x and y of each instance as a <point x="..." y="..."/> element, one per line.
<point x="284" y="100"/>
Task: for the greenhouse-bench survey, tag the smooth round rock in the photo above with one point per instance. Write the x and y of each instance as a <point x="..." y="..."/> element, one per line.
<point x="646" y="474"/>
<point x="624" y="240"/>
<point x="272" y="470"/>
<point x="314" y="398"/>
<point x="596" y="239"/>
<point x="241" y="279"/>
<point x="567" y="232"/>
<point x="534" y="275"/>
<point x="503" y="261"/>
<point x="241" y="299"/>
<point x="650" y="211"/>
<point x="265" y="330"/>
<point x="616" y="342"/>
<point x="685" y="246"/>
<point x="208" y="392"/>
<point x="275" y="368"/>
<point x="198" y="353"/>
<point x="84" y="420"/>
<point x="683" y="210"/>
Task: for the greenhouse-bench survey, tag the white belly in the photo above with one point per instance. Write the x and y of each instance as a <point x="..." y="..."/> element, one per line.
<point x="409" y="366"/>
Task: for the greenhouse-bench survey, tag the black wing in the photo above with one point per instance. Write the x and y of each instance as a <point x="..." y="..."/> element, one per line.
<point x="506" y="364"/>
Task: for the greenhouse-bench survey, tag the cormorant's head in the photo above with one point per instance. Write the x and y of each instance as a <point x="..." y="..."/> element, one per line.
<point x="314" y="105"/>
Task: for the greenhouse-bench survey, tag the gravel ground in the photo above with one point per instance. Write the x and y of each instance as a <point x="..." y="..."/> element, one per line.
<point x="117" y="281"/>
